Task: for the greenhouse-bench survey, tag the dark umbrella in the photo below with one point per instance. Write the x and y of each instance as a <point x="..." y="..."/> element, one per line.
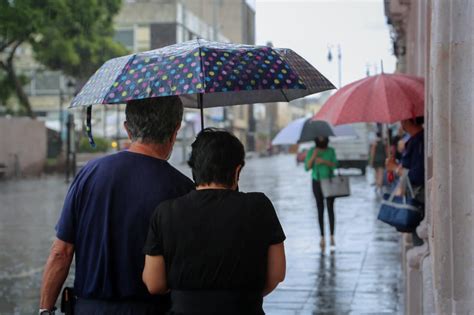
<point x="303" y="130"/>
<point x="313" y="129"/>
<point x="204" y="74"/>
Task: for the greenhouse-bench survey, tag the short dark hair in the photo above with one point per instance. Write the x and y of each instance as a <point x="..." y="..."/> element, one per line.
<point x="215" y="155"/>
<point x="321" y="142"/>
<point x="153" y="119"/>
<point x="419" y="121"/>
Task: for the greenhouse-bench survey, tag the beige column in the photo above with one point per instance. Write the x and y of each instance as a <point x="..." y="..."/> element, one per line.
<point x="416" y="276"/>
<point x="451" y="103"/>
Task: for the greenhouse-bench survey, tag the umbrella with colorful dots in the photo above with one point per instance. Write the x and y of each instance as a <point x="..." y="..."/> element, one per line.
<point x="203" y="74"/>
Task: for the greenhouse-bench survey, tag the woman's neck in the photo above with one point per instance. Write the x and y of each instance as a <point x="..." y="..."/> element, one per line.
<point x="214" y="186"/>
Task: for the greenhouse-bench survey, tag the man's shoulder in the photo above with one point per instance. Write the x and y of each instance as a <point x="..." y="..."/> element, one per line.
<point x="106" y="159"/>
<point x="178" y="176"/>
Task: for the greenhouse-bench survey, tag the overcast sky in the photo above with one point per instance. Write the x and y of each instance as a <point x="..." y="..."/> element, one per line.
<point x="309" y="26"/>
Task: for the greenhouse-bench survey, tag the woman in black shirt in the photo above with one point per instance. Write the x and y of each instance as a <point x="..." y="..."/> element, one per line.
<point x="218" y="250"/>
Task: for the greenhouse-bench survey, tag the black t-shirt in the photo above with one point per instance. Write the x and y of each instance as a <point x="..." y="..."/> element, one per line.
<point x="215" y="239"/>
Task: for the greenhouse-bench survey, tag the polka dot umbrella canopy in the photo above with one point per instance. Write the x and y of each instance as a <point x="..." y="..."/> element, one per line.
<point x="203" y="74"/>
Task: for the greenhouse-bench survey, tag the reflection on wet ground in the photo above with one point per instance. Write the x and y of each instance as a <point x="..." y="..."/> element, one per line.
<point x="361" y="276"/>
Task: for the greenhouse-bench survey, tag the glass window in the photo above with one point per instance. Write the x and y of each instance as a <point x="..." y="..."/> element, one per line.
<point x="125" y="37"/>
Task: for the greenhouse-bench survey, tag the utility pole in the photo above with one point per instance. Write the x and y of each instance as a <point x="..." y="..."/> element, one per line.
<point x="216" y="5"/>
<point x="70" y="147"/>
<point x="61" y="118"/>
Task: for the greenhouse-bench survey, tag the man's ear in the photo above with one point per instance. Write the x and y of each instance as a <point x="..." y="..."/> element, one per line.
<point x="175" y="133"/>
<point x="125" y="125"/>
<point x="238" y="169"/>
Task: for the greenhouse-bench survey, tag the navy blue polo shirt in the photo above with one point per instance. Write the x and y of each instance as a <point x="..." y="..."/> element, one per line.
<point x="414" y="159"/>
<point x="106" y="216"/>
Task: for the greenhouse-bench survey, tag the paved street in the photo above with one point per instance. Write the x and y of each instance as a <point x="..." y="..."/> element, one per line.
<point x="362" y="276"/>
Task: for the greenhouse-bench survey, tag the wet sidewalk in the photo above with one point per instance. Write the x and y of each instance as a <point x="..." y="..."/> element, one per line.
<point x="362" y="276"/>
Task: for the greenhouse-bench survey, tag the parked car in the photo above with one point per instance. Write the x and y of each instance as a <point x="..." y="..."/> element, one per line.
<point x="353" y="152"/>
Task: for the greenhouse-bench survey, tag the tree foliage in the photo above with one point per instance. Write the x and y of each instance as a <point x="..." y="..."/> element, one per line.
<point x="19" y="22"/>
<point x="80" y="40"/>
<point x="73" y="36"/>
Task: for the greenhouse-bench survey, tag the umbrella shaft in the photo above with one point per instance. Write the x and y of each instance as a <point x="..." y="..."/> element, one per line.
<point x="201" y="107"/>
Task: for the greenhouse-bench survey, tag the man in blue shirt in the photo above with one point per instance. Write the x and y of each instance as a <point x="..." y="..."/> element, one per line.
<point x="106" y="214"/>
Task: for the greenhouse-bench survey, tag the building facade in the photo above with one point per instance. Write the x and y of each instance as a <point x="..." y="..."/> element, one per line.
<point x="149" y="24"/>
<point x="434" y="39"/>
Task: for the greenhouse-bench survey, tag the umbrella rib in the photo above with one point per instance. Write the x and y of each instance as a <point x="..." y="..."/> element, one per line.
<point x="203" y="81"/>
<point x="350" y="90"/>
<point x="386" y="108"/>
<point x="121" y="73"/>
<point x="284" y="95"/>
<point x="405" y="96"/>
<point x="389" y="108"/>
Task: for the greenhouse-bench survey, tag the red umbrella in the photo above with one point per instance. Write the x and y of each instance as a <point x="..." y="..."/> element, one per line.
<point x="383" y="98"/>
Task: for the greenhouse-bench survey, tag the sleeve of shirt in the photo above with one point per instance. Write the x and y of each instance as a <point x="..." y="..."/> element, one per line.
<point x="334" y="159"/>
<point x="276" y="234"/>
<point x="66" y="226"/>
<point x="307" y="158"/>
<point x="154" y="240"/>
<point x="413" y="160"/>
<point x="416" y="172"/>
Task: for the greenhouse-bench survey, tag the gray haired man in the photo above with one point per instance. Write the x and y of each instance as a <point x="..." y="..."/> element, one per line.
<point x="106" y="213"/>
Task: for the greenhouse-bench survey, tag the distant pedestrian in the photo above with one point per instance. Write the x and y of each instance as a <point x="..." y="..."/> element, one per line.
<point x="321" y="160"/>
<point x="218" y="250"/>
<point x="106" y="215"/>
<point x="413" y="162"/>
<point x="378" y="155"/>
<point x="398" y="144"/>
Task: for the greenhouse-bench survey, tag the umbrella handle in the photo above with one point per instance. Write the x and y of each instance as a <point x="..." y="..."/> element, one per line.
<point x="89" y="126"/>
<point x="390" y="174"/>
<point x="200" y="106"/>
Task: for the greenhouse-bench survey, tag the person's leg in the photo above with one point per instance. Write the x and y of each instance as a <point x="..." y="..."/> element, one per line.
<point x="318" y="195"/>
<point x="330" y="205"/>
<point x="379" y="177"/>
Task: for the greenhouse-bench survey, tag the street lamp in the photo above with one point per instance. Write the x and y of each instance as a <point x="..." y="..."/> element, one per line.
<point x="339" y="59"/>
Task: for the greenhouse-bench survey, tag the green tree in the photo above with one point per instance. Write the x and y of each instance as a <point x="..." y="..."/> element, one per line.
<point x="20" y="20"/>
<point x="73" y="36"/>
<point x="7" y="90"/>
<point x="81" y="39"/>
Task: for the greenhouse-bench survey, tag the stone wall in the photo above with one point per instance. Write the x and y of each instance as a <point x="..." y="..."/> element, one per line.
<point x="23" y="147"/>
<point x="440" y="46"/>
